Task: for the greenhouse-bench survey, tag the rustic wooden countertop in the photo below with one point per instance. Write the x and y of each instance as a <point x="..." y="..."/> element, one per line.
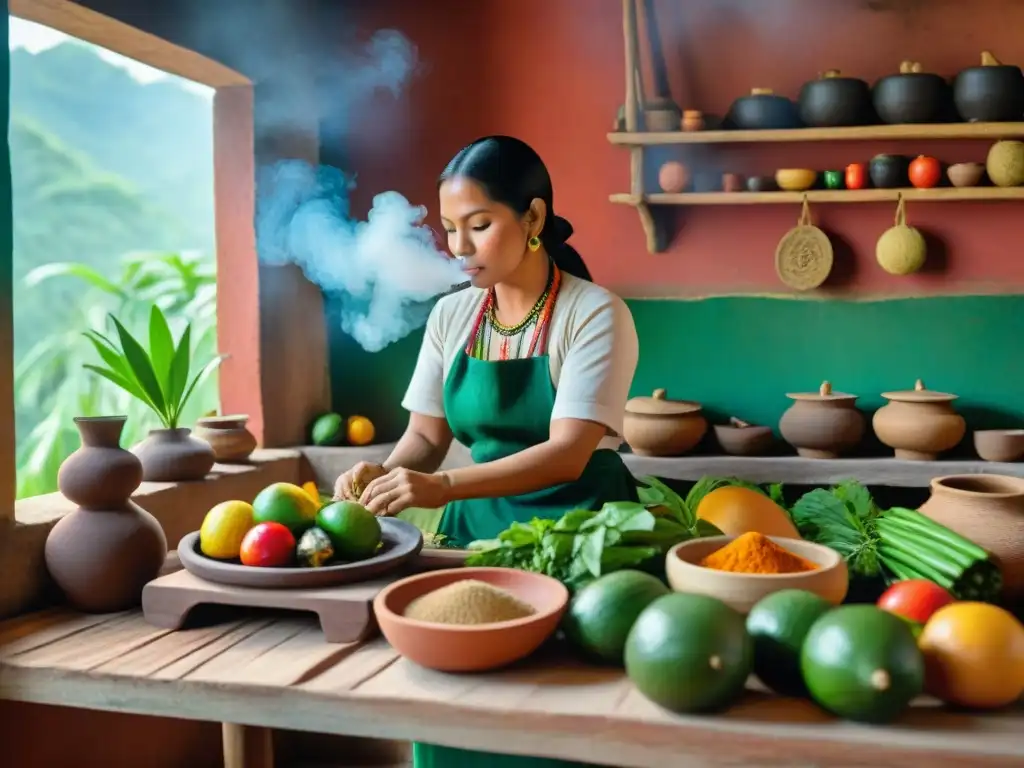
<point x="276" y="671"/>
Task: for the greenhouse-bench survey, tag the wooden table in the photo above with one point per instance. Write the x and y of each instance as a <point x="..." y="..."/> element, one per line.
<point x="277" y="672"/>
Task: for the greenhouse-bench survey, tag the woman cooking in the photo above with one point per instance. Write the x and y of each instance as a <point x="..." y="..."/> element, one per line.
<point x="530" y="368"/>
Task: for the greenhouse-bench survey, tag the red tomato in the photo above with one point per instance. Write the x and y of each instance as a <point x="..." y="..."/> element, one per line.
<point x="268" y="545"/>
<point x="914" y="599"/>
<point x="925" y="172"/>
<point x="856" y="176"/>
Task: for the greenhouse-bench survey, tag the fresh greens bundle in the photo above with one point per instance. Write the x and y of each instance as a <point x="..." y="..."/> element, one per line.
<point x="584" y="544"/>
<point x="896" y="544"/>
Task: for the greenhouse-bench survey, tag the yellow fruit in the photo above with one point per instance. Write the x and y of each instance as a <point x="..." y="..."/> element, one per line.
<point x="974" y="655"/>
<point x="313" y="491"/>
<point x="735" y="510"/>
<point x="223" y="529"/>
<point x="359" y="430"/>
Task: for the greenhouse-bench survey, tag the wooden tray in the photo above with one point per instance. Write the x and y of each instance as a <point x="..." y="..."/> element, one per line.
<point x="345" y="612"/>
<point x="402" y="542"/>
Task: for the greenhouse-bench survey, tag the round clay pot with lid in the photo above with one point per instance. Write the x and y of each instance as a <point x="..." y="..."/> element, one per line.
<point x="228" y="436"/>
<point x="657" y="426"/>
<point x="822" y="424"/>
<point x="988" y="510"/>
<point x="173" y="455"/>
<point x="919" y="424"/>
<point x="103" y="553"/>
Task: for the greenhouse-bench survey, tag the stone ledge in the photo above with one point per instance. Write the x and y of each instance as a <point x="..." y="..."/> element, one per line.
<point x="179" y="507"/>
<point x="328" y="463"/>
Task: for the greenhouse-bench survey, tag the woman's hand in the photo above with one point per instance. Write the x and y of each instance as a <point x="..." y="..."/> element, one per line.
<point x="403" y="488"/>
<point x="350" y="486"/>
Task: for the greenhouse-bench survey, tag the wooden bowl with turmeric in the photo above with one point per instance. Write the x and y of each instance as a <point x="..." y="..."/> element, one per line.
<point x="740" y="570"/>
<point x="470" y="619"/>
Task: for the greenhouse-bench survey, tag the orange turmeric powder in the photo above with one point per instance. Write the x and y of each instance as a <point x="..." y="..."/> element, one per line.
<point x="755" y="553"/>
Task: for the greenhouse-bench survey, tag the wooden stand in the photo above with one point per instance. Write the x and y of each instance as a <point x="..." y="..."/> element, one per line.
<point x="246" y="746"/>
<point x="345" y="612"/>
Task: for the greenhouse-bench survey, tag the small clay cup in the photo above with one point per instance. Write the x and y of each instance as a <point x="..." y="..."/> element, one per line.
<point x="693" y="120"/>
<point x="228" y="436"/>
<point x="473" y="648"/>
<point x="999" y="444"/>
<point x="744" y="440"/>
<point x="761" y="184"/>
<point x="965" y="174"/>
<point x="732" y="182"/>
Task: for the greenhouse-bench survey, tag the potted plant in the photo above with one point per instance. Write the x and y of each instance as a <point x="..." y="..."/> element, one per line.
<point x="159" y="378"/>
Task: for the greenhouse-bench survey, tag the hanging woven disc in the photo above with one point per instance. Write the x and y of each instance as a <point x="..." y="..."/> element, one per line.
<point x="803" y="259"/>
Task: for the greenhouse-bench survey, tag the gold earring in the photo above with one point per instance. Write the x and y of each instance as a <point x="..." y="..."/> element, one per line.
<point x="534" y="243"/>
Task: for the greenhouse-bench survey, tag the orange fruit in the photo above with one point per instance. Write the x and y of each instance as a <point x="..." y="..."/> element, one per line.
<point x="735" y="510"/>
<point x="359" y="430"/>
<point x="223" y="529"/>
<point x="313" y="491"/>
<point x="974" y="655"/>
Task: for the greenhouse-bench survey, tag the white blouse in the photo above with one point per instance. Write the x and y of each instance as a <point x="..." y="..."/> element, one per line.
<point x="593" y="351"/>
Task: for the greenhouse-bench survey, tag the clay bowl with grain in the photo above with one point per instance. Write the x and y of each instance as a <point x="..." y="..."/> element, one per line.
<point x="742" y="591"/>
<point x="476" y="647"/>
<point x="999" y="444"/>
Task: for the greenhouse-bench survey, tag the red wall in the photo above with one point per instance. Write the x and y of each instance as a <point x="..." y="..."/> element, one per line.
<point x="551" y="72"/>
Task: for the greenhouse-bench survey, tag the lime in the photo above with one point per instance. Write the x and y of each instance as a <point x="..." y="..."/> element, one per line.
<point x="778" y="625"/>
<point x="602" y="613"/>
<point x="862" y="663"/>
<point x="354" y="530"/>
<point x="223" y="529"/>
<point x="689" y="653"/>
<point x="287" y="504"/>
<point x="328" y="429"/>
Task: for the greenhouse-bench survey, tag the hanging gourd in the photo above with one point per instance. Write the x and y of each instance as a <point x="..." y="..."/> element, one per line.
<point x="803" y="258"/>
<point x="901" y="249"/>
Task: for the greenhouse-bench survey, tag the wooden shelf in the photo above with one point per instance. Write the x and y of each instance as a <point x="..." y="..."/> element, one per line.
<point x="942" y="131"/>
<point x="938" y="195"/>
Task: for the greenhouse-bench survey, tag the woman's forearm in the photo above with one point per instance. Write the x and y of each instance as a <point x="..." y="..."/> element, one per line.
<point x="416" y="452"/>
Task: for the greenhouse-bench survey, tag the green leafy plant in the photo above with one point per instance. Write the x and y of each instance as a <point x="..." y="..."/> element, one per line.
<point x="159" y="376"/>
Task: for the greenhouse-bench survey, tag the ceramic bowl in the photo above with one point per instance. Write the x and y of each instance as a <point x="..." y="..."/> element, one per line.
<point x="795" y="179"/>
<point x="743" y="590"/>
<point x="744" y="441"/>
<point x="965" y="174"/>
<point x="476" y="648"/>
<point x="999" y="444"/>
<point x="761" y="184"/>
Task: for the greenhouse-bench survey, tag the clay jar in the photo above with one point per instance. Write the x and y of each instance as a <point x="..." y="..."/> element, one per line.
<point x="919" y="424"/>
<point x="227" y="436"/>
<point x="657" y="426"/>
<point x="988" y="510"/>
<point x="173" y="455"/>
<point x="103" y="554"/>
<point x="822" y="424"/>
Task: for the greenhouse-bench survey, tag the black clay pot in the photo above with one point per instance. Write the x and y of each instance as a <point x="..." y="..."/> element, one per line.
<point x="889" y="171"/>
<point x="833" y="100"/>
<point x="911" y="96"/>
<point x="990" y="93"/>
<point x="762" y="110"/>
<point x="761" y="184"/>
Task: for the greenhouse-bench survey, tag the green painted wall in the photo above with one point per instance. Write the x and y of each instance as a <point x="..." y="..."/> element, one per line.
<point x="741" y="355"/>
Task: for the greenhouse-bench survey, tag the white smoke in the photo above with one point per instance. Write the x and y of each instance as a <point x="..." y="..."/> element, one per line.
<point x="382" y="272"/>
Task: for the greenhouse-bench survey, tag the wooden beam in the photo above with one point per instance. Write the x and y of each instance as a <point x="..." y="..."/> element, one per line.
<point x="94" y="27"/>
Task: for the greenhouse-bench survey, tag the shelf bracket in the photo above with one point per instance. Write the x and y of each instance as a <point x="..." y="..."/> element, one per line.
<point x="654" y="225"/>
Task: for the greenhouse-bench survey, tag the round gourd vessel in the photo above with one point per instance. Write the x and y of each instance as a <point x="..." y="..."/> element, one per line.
<point x="822" y="424"/>
<point x="657" y="426"/>
<point x="919" y="424"/>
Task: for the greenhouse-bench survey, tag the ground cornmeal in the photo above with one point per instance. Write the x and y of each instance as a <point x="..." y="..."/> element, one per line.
<point x="754" y="553"/>
<point x="468" y="601"/>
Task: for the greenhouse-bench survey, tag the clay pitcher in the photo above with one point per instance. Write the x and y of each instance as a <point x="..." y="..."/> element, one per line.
<point x="988" y="510"/>
<point x="103" y="554"/>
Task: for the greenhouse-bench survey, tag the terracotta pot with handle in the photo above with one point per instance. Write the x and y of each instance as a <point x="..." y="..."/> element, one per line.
<point x="823" y="424"/>
<point x="657" y="426"/>
<point x="919" y="424"/>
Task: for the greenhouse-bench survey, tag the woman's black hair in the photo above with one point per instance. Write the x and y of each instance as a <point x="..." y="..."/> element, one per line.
<point x="512" y="173"/>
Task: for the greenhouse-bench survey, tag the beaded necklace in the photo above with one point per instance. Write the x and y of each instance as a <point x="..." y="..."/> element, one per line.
<point x="539" y="316"/>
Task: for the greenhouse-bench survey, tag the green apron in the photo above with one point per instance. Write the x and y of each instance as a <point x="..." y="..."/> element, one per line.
<point x="496" y="409"/>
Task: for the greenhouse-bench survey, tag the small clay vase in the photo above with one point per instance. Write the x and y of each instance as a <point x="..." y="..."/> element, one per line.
<point x="988" y="510"/>
<point x="103" y="554"/>
<point x="822" y="424"/>
<point x="693" y="120"/>
<point x="919" y="424"/>
<point x="657" y="426"/>
<point x="732" y="182"/>
<point x="173" y="455"/>
<point x="228" y="436"/>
